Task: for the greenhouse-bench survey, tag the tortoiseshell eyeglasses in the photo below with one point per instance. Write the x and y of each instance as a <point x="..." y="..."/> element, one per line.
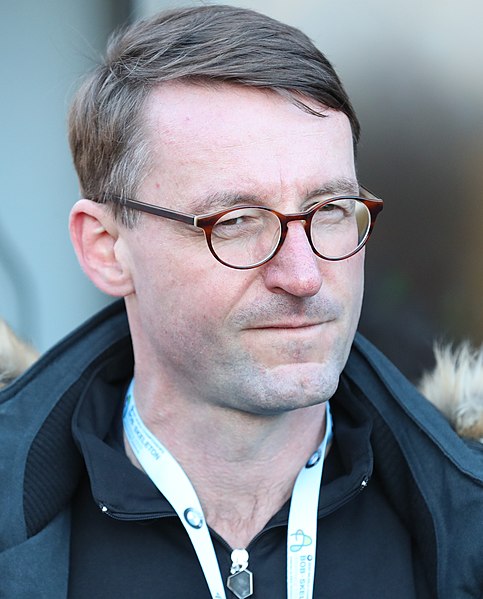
<point x="249" y="236"/>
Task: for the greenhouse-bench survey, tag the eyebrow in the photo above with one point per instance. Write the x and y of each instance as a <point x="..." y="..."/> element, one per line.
<point x="225" y="199"/>
<point x="221" y="200"/>
<point x="336" y="187"/>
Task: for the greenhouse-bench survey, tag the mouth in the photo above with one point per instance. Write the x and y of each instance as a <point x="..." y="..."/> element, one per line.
<point x="284" y="326"/>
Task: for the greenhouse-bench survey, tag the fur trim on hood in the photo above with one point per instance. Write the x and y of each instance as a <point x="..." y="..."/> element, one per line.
<point x="15" y="355"/>
<point x="455" y="387"/>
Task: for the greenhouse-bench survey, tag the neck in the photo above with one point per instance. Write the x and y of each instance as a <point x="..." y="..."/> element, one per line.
<point x="242" y="466"/>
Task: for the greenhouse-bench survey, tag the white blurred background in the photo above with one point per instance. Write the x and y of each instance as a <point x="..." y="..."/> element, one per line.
<point x="414" y="71"/>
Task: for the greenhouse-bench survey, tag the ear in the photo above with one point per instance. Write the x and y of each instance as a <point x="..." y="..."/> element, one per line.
<point x="99" y="247"/>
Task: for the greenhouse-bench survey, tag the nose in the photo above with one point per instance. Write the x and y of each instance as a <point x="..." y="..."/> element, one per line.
<point x="295" y="269"/>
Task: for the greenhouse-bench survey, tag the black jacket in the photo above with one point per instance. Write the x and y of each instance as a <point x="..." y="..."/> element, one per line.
<point x="432" y="477"/>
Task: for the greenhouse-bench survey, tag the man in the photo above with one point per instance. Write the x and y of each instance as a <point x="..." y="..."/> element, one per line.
<point x="189" y="451"/>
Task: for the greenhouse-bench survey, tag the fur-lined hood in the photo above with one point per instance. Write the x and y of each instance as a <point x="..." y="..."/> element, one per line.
<point x="455" y="386"/>
<point x="15" y="355"/>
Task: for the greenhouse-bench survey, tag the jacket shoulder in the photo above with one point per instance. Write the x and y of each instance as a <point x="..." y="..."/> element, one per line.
<point x="37" y="453"/>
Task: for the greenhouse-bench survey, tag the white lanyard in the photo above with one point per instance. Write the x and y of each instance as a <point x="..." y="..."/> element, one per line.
<point x="172" y="482"/>
<point x="302" y="521"/>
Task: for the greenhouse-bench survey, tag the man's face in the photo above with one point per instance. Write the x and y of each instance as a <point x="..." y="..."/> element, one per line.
<point x="265" y="340"/>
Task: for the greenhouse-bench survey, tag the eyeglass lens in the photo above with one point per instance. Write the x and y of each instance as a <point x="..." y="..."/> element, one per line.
<point x="246" y="237"/>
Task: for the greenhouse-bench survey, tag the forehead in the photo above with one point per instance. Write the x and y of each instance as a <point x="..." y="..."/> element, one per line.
<point x="238" y="139"/>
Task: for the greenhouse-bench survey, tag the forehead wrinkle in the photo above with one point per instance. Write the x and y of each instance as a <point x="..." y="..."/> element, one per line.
<point x="269" y="139"/>
<point x="171" y="138"/>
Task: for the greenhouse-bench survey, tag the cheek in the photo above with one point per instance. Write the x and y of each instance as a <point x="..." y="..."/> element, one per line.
<point x="348" y="284"/>
<point x="356" y="283"/>
<point x="187" y="288"/>
<point x="357" y="272"/>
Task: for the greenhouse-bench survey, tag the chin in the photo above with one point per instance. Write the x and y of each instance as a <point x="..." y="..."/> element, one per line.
<point x="292" y="387"/>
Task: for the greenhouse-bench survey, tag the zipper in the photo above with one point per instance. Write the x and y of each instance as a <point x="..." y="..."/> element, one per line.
<point x="128" y="517"/>
<point x="329" y="509"/>
<point x="322" y="513"/>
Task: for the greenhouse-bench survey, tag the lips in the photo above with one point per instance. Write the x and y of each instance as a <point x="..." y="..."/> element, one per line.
<point x="288" y="325"/>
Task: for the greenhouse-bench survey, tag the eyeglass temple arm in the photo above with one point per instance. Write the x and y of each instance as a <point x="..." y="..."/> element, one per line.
<point x="367" y="193"/>
<point x="157" y="211"/>
<point x="376" y="205"/>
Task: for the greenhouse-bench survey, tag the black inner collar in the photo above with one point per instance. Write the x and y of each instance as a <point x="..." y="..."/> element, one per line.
<point x="126" y="492"/>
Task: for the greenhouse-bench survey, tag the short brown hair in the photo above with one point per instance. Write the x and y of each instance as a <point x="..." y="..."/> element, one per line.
<point x="206" y="43"/>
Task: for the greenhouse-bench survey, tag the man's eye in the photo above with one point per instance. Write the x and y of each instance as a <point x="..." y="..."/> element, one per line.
<point x="240" y="223"/>
<point x="237" y="225"/>
<point x="330" y="210"/>
<point x="344" y="207"/>
<point x="236" y="220"/>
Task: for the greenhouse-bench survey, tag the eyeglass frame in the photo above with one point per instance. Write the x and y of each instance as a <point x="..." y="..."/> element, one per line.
<point x="206" y="222"/>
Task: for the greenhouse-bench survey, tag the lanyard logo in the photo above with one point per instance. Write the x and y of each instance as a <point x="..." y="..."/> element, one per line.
<point x="301" y="540"/>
